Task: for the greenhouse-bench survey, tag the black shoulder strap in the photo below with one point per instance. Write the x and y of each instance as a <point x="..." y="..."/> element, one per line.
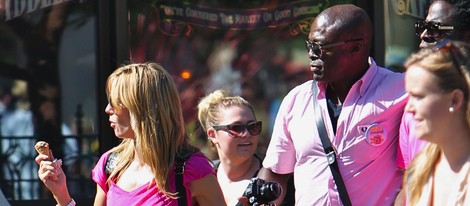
<point x="328" y="148"/>
<point x="110" y="163"/>
<point x="180" y="162"/>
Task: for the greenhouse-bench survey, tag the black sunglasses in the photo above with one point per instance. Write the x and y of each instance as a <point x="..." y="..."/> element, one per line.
<point x="318" y="49"/>
<point x="254" y="128"/>
<point x="433" y="28"/>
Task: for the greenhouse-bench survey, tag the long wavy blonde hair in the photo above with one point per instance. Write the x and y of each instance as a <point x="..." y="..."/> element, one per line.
<point x="149" y="93"/>
<point x="450" y="65"/>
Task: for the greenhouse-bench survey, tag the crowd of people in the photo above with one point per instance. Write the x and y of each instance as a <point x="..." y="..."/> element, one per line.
<point x="356" y="134"/>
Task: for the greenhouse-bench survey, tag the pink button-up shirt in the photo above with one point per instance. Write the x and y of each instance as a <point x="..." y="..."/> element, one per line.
<point x="366" y="141"/>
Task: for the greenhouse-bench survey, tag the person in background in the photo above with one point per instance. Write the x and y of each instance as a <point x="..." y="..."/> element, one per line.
<point x="362" y="105"/>
<point x="232" y="128"/>
<point x="445" y="19"/>
<point x="16" y="131"/>
<point x="145" y="112"/>
<point x="438" y="83"/>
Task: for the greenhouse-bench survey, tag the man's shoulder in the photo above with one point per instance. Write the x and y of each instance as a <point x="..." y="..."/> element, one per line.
<point x="304" y="88"/>
<point x="300" y="95"/>
<point x="387" y="86"/>
<point x="390" y="73"/>
<point x="387" y="78"/>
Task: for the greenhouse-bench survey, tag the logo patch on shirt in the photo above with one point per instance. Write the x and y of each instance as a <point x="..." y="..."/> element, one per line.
<point x="375" y="134"/>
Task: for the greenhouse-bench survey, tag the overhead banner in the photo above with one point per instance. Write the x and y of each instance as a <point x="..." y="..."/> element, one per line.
<point x="218" y="18"/>
<point x="11" y="9"/>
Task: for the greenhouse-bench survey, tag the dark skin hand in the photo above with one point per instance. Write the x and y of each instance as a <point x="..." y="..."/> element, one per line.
<point x="269" y="176"/>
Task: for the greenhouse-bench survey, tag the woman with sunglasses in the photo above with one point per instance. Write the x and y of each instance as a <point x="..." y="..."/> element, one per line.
<point x="232" y="128"/>
<point x="145" y="112"/>
<point x="438" y="82"/>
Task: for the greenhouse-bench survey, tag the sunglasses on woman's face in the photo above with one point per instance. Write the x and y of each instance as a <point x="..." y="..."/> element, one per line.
<point x="434" y="29"/>
<point x="254" y="128"/>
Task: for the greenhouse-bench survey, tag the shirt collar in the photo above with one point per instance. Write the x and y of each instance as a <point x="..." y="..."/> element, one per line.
<point x="365" y="81"/>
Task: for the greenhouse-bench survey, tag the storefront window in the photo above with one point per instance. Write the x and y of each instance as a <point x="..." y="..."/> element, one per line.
<point x="400" y="39"/>
<point x="47" y="92"/>
<point x="48" y="71"/>
<point x="250" y="48"/>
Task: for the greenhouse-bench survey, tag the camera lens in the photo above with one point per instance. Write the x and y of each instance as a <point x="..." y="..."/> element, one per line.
<point x="270" y="191"/>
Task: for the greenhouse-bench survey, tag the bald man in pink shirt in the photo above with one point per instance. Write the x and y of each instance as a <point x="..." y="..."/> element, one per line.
<point x="361" y="104"/>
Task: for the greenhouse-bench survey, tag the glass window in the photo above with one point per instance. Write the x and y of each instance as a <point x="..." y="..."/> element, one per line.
<point x="47" y="92"/>
<point x="250" y="48"/>
<point x="400" y="39"/>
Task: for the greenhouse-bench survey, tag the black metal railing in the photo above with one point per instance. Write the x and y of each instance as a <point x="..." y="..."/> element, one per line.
<point x="19" y="179"/>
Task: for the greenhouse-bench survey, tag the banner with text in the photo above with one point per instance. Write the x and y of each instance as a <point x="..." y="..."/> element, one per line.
<point x="239" y="18"/>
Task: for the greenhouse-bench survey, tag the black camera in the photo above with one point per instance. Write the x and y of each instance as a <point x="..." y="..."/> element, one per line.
<point x="261" y="192"/>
